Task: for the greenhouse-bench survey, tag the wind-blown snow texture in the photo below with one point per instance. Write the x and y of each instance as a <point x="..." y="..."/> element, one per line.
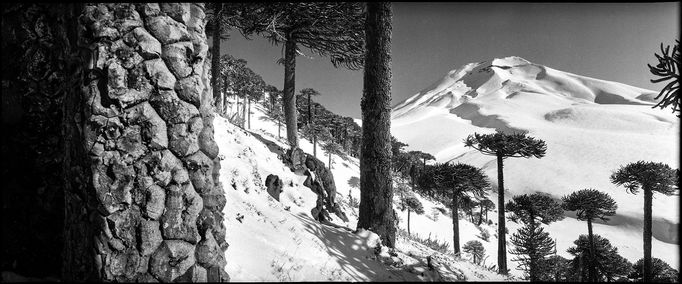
<point x="591" y="128"/>
<point x="276" y="241"/>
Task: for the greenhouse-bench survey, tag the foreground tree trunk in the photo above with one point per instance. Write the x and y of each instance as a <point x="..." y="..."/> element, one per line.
<point x="376" y="198"/>
<point x="40" y="68"/>
<point x="143" y="201"/>
<point x="455" y="225"/>
<point x="647" y="273"/>
<point x="289" y="98"/>
<point x="501" y="234"/>
<point x="592" y="270"/>
<point x="408" y="222"/>
<point x="215" y="53"/>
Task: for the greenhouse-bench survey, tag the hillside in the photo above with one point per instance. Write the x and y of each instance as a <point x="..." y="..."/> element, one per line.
<point x="591" y="127"/>
<point x="280" y="241"/>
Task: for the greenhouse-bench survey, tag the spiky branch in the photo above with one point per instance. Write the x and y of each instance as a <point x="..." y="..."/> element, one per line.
<point x="668" y="68"/>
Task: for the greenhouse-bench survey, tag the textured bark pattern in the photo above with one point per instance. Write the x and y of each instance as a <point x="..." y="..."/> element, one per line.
<point x="147" y="127"/>
<point x="501" y="234"/>
<point x="376" y="192"/>
<point x="289" y="98"/>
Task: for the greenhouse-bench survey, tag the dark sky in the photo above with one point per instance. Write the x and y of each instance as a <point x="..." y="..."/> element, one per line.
<point x="610" y="41"/>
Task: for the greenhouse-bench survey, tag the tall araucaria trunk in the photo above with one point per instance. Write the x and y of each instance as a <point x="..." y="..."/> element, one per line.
<point x="648" y="196"/>
<point x="143" y="129"/>
<point x="501" y="234"/>
<point x="408" y="222"/>
<point x="455" y="224"/>
<point x="376" y="198"/>
<point x="215" y="53"/>
<point x="310" y="118"/>
<point x="289" y="98"/>
<point x="248" y="112"/>
<point x="592" y="270"/>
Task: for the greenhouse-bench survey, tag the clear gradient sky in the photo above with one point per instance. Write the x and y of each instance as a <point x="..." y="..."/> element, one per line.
<point x="610" y="41"/>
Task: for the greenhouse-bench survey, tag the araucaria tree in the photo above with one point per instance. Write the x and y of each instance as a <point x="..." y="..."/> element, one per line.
<point x="376" y="189"/>
<point x="475" y="249"/>
<point x="502" y="146"/>
<point x="650" y="177"/>
<point x="332" y="29"/>
<point x="590" y="204"/>
<point x="412" y="204"/>
<point x="459" y="180"/>
<point x="532" y="244"/>
<point x="609" y="265"/>
<point x="331" y="148"/>
<point x="668" y="68"/>
<point x="660" y="271"/>
<point x="309" y="92"/>
<point x="140" y="201"/>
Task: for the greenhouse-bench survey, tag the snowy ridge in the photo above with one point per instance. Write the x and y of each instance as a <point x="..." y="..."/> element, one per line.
<point x="279" y="241"/>
<point x="591" y="127"/>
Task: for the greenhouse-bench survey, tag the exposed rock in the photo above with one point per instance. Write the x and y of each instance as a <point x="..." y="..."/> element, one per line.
<point x="297" y="158"/>
<point x="172" y="259"/>
<point x="274" y="186"/>
<point x="167" y="30"/>
<point x="150" y="237"/>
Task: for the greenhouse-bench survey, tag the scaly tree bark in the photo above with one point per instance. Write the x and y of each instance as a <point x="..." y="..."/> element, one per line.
<point x="149" y="192"/>
<point x="376" y="198"/>
<point x="289" y="97"/>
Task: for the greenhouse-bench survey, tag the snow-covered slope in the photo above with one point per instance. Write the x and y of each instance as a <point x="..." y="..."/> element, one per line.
<point x="591" y="127"/>
<point x="279" y="241"/>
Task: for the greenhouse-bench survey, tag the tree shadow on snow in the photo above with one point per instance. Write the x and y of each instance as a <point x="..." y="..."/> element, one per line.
<point x="350" y="252"/>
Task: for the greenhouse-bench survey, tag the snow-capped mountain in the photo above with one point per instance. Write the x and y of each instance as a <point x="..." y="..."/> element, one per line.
<point x="591" y="127"/>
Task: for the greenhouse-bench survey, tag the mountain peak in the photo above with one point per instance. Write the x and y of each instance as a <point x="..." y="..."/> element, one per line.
<point x="500" y="80"/>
